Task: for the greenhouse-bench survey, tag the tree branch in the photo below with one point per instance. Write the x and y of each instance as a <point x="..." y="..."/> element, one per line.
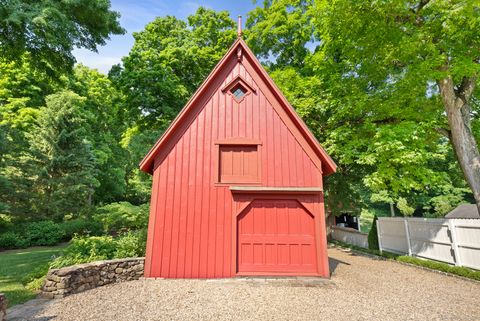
<point x="421" y="5"/>
<point x="466" y="88"/>
<point x="444" y="132"/>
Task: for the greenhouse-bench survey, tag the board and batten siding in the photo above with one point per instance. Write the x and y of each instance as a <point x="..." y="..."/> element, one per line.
<point x="194" y="238"/>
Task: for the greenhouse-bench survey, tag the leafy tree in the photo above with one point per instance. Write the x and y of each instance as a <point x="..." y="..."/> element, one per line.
<point x="368" y="88"/>
<point x="406" y="52"/>
<point x="50" y="30"/>
<point x="62" y="171"/>
<point x="104" y="126"/>
<point x="168" y="61"/>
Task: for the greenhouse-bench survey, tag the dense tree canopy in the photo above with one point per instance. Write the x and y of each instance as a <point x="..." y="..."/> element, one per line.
<point x="369" y="88"/>
<point x="169" y="60"/>
<point x="373" y="81"/>
<point x="50" y="30"/>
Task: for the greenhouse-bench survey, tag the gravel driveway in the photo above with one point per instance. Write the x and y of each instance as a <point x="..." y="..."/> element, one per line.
<point x="361" y="289"/>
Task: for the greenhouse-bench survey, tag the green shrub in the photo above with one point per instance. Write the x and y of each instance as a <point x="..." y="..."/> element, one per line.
<point x="122" y="216"/>
<point x="12" y="240"/>
<point x="457" y="270"/>
<point x="131" y="244"/>
<point x="44" y="233"/>
<point x="80" y="226"/>
<point x="86" y="249"/>
<point x="373" y="236"/>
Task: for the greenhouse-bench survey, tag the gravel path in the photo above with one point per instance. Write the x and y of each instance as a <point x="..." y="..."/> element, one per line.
<point x="361" y="289"/>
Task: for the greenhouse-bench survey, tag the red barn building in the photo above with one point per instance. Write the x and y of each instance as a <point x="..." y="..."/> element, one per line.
<point x="237" y="182"/>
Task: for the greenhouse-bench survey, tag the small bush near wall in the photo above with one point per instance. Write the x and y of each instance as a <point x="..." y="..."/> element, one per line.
<point x="85" y="249"/>
<point x="132" y="244"/>
<point x="373" y="236"/>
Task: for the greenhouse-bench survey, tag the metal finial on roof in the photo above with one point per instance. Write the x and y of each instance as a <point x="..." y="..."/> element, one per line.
<point x="239" y="27"/>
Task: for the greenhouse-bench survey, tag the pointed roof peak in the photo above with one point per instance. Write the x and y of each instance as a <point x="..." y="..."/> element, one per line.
<point x="327" y="164"/>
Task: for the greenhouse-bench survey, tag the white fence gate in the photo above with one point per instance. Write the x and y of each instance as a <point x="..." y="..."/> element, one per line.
<point x="454" y="241"/>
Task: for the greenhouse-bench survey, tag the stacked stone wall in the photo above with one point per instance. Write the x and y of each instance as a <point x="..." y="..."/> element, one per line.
<point x="78" y="278"/>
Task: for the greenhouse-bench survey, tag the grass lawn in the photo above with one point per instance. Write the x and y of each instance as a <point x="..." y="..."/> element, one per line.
<point x="16" y="264"/>
<point x="366" y="218"/>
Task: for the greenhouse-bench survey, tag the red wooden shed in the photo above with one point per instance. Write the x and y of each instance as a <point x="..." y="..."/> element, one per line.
<point x="237" y="182"/>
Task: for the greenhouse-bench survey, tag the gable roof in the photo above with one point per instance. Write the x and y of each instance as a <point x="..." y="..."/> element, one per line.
<point x="464" y="211"/>
<point x="328" y="165"/>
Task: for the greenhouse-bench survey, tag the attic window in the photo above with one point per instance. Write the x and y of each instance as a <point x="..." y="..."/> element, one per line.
<point x="238" y="92"/>
<point x="238" y="88"/>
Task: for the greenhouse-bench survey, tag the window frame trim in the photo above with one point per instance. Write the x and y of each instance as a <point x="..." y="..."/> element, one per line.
<point x="238" y="80"/>
<point x="238" y="141"/>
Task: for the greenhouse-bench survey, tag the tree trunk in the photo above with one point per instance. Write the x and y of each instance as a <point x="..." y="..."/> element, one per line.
<point x="392" y="210"/>
<point x="456" y="103"/>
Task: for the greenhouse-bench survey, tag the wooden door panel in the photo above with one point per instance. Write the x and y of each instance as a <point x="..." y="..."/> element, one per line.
<point x="276" y="236"/>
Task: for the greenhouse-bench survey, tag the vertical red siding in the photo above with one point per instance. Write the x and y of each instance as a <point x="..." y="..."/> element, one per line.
<point x="190" y="231"/>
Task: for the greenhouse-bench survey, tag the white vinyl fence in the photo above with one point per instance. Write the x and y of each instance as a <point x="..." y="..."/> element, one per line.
<point x="350" y="236"/>
<point x="454" y="241"/>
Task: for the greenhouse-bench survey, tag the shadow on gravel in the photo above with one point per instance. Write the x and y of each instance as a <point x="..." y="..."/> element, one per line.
<point x="333" y="263"/>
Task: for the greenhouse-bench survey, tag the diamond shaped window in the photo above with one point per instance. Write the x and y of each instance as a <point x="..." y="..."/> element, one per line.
<point x="238" y="92"/>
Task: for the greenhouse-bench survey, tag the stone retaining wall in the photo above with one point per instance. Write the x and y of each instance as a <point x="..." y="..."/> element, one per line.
<point x="77" y="278"/>
<point x="3" y="307"/>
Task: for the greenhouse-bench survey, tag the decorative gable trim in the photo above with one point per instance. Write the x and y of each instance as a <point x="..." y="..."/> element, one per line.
<point x="239" y="51"/>
<point x="238" y="81"/>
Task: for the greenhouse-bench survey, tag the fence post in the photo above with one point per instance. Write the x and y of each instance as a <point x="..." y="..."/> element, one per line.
<point x="379" y="236"/>
<point x="407" y="235"/>
<point x="453" y="235"/>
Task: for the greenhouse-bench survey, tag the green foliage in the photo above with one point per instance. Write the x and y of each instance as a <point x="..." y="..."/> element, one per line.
<point x="439" y="266"/>
<point x="95" y="248"/>
<point x="80" y="226"/>
<point x="103" y="128"/>
<point x="179" y="53"/>
<point x="373" y="236"/>
<point x="86" y="249"/>
<point x="363" y="75"/>
<point x="37" y="273"/>
<point x="132" y="244"/>
<point x="116" y="217"/>
<point x="50" y="30"/>
<point x="12" y="240"/>
<point x="63" y="163"/>
<point x="43" y="233"/>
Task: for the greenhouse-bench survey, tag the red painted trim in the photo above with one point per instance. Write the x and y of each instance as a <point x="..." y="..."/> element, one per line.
<point x="238" y="141"/>
<point x="147" y="163"/>
<point x="277" y="274"/>
<point x="236" y="80"/>
<point x="151" y="224"/>
<point x="299" y="123"/>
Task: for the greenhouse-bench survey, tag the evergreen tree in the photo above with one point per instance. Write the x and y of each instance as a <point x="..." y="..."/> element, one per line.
<point x="63" y="168"/>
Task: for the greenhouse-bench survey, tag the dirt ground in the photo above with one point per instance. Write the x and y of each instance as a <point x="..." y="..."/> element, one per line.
<point x="361" y="288"/>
